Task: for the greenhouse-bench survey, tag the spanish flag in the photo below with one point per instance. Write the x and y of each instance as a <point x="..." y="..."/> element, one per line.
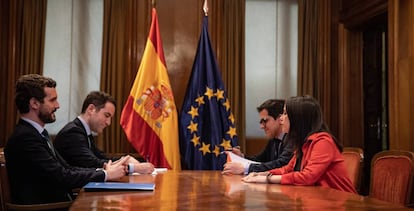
<point x="149" y="117"/>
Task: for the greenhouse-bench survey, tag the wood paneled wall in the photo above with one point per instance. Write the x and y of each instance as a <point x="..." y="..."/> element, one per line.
<point x="353" y="14"/>
<point x="401" y="74"/>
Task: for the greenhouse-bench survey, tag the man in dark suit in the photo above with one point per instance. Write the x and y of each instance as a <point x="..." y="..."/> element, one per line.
<point x="37" y="173"/>
<point x="75" y="140"/>
<point x="276" y="154"/>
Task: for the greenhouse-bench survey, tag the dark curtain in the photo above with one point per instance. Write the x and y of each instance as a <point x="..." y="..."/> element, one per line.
<point x="126" y="25"/>
<point x="317" y="70"/>
<point x="21" y="52"/>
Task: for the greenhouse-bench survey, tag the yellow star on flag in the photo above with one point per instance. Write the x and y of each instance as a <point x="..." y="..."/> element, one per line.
<point x="192" y="127"/>
<point x="226" y="144"/>
<point x="231" y="118"/>
<point x="216" y="150"/>
<point x="209" y="93"/>
<point x="195" y="140"/>
<point x="232" y="132"/>
<point x="200" y="100"/>
<point x="205" y="148"/>
<point x="193" y="112"/>
<point x="227" y="104"/>
<point x="220" y="94"/>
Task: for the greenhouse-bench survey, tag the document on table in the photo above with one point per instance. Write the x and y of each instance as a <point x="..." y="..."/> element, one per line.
<point x="155" y="172"/>
<point x="159" y="170"/>
<point x="238" y="159"/>
<point x="118" y="186"/>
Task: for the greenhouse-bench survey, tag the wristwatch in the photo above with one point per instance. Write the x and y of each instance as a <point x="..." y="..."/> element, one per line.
<point x="268" y="177"/>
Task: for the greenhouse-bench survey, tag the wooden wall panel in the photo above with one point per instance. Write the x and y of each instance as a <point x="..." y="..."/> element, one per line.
<point x="254" y="145"/>
<point x="180" y="26"/>
<point x="351" y="131"/>
<point x="401" y="74"/>
<point x="355" y="12"/>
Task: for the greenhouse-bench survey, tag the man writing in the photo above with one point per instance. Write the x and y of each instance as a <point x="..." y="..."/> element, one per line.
<point x="276" y="153"/>
<point x="75" y="140"/>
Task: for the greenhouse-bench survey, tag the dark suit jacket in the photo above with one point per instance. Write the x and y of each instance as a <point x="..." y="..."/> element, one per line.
<point x="36" y="175"/>
<point x="275" y="155"/>
<point x="72" y="143"/>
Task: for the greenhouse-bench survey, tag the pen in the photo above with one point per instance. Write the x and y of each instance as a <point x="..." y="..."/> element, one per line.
<point x="230" y="149"/>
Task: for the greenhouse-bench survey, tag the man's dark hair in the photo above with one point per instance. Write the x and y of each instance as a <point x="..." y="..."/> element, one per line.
<point x="273" y="106"/>
<point x="98" y="99"/>
<point x="29" y="86"/>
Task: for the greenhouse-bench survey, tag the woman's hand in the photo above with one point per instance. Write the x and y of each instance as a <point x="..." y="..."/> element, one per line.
<point x="255" y="177"/>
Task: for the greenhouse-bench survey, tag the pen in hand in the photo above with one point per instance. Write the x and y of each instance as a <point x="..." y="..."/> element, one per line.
<point x="230" y="149"/>
<point x="236" y="150"/>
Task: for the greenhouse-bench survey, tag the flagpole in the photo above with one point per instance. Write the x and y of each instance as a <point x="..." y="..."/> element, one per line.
<point x="205" y="8"/>
<point x="153" y="3"/>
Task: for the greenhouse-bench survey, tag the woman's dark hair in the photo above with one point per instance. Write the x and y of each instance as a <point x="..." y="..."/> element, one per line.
<point x="31" y="86"/>
<point x="305" y="117"/>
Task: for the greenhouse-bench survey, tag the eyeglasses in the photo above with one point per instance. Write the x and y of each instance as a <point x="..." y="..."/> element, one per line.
<point x="263" y="121"/>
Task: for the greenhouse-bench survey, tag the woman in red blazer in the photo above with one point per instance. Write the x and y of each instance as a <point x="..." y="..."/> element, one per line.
<point x="318" y="155"/>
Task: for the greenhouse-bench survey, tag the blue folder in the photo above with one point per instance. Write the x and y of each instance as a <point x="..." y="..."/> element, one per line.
<point x="118" y="186"/>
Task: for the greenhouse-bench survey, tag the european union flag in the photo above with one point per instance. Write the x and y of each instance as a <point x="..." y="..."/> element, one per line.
<point x="207" y="125"/>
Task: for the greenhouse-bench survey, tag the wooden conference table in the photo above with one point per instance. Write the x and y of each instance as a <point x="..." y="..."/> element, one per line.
<point x="209" y="190"/>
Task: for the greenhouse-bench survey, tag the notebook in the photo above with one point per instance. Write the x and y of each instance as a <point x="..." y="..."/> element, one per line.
<point x="118" y="186"/>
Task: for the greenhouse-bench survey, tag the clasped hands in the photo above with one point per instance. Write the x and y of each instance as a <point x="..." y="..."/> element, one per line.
<point x="120" y="167"/>
<point x="117" y="169"/>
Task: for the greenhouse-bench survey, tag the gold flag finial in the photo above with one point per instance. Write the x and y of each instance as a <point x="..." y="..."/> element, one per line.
<point x="205" y="8"/>
<point x="153" y="3"/>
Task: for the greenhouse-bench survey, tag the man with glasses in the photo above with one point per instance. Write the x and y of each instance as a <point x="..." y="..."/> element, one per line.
<point x="276" y="154"/>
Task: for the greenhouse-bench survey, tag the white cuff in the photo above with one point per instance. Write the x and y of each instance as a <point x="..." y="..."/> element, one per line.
<point x="131" y="168"/>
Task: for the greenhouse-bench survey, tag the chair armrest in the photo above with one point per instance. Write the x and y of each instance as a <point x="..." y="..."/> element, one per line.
<point x="47" y="206"/>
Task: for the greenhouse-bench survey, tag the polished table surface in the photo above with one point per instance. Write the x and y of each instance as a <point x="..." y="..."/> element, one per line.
<point x="210" y="190"/>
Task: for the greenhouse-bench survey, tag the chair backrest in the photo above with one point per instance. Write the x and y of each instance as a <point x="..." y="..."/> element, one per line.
<point x="5" y="195"/>
<point x="6" y="202"/>
<point x="392" y="176"/>
<point x="354" y="159"/>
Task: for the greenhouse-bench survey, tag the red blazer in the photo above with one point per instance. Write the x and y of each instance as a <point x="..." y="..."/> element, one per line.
<point x="322" y="165"/>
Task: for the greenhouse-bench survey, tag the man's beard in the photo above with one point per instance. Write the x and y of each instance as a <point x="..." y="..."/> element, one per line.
<point x="47" y="117"/>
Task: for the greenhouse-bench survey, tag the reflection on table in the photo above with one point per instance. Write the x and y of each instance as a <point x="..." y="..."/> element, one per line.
<point x="195" y="190"/>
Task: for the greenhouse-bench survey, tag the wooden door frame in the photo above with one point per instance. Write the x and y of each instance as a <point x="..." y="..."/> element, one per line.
<point x="350" y="87"/>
